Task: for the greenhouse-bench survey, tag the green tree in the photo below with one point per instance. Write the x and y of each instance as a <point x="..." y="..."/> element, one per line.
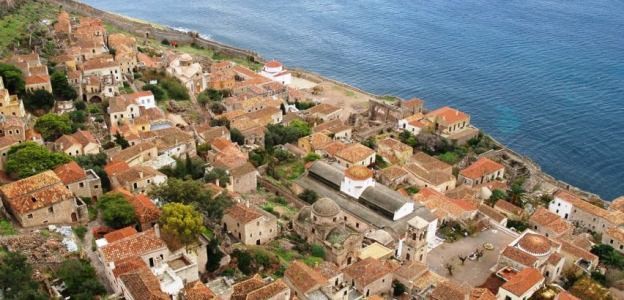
<point x="38" y="100"/>
<point x="189" y="168"/>
<point x="370" y="142"/>
<point x="516" y="194"/>
<point x="244" y="261"/>
<point x="181" y="221"/>
<point x="214" y="255"/>
<point x="159" y="93"/>
<point x="29" y="158"/>
<point x="237" y="136"/>
<point x="496" y="195"/>
<point x="116" y="211"/>
<point x="210" y="95"/>
<point x="220" y="122"/>
<point x="192" y="192"/>
<point x="608" y="256"/>
<point x="95" y="162"/>
<point x="16" y="281"/>
<point x="399" y="288"/>
<point x="80" y="279"/>
<point x="61" y="87"/>
<point x="311" y="157"/>
<point x="121" y="141"/>
<point x="318" y="251"/>
<point x="52" y="126"/>
<point x="258" y="157"/>
<point x="308" y="196"/>
<point x="278" y="134"/>
<point x="218" y="174"/>
<point x="12" y="78"/>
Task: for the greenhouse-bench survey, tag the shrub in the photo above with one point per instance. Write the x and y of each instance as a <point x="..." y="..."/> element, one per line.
<point x="80" y="232"/>
<point x="317" y="251"/>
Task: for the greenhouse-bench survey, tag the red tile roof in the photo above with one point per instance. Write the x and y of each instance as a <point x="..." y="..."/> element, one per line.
<point x="448" y="115"/>
<point x="119" y="234"/>
<point x="368" y="270"/>
<point x="242" y="213"/>
<point x="482" y="167"/>
<point x="137" y="244"/>
<point x="304" y="278"/>
<point x="35" y="192"/>
<point x="198" y="291"/>
<point x="70" y="172"/>
<point x="523" y="281"/>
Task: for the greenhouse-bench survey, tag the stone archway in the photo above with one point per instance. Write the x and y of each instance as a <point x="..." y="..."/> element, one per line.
<point x="95" y="99"/>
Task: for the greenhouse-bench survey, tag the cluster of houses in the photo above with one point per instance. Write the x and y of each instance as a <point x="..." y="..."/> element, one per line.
<point x="376" y="227"/>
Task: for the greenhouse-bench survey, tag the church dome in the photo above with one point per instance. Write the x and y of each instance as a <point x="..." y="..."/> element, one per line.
<point x="535" y="244"/>
<point x="359" y="173"/>
<point x="325" y="207"/>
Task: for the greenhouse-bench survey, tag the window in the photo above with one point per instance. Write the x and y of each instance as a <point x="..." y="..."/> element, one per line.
<point x="30" y="216"/>
<point x="81" y="184"/>
<point x="357" y="225"/>
<point x="51" y="209"/>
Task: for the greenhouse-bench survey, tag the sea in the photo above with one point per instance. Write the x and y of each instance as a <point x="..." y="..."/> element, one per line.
<point x="545" y="77"/>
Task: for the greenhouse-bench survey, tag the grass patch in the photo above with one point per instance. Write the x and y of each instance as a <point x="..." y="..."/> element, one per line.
<point x="312" y="261"/>
<point x="207" y="232"/>
<point x="24" y="21"/>
<point x="290" y="171"/>
<point x="6" y="228"/>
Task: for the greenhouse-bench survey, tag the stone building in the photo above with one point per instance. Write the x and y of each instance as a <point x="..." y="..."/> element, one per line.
<point x="10" y="105"/>
<point x="256" y="288"/>
<point x="83" y="183"/>
<point x="533" y="250"/>
<point x="393" y="151"/>
<point x="251" y="225"/>
<point x="482" y="171"/>
<point x="427" y="171"/>
<point x="78" y="143"/>
<point x="324" y="281"/>
<point x="323" y="223"/>
<point x="549" y="224"/>
<point x="371" y="276"/>
<point x="42" y="199"/>
<point x="584" y="214"/>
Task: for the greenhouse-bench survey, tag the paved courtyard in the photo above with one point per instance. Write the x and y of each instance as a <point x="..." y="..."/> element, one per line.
<point x="472" y="272"/>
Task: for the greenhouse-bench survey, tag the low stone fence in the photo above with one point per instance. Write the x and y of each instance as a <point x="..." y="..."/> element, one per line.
<point x="281" y="191"/>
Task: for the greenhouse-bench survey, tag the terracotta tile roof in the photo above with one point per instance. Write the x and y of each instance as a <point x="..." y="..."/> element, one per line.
<point x="198" y="291"/>
<point x="491" y="213"/>
<point x="243" y="169"/>
<point x="394" y="144"/>
<point x="565" y="296"/>
<point x="134" y="96"/>
<point x="143" y="285"/>
<point x="429" y="162"/>
<point x="137" y="244"/>
<point x="414" y="102"/>
<point x="240" y="290"/>
<point x="543" y="217"/>
<point x="136" y="173"/>
<point x="482" y="167"/>
<point x="304" y="278"/>
<point x="119" y="104"/>
<point x="393" y="172"/>
<point x="243" y="214"/>
<point x="84" y="137"/>
<point x="319" y="140"/>
<point x="96" y="63"/>
<point x="441" y="205"/>
<point x="523" y="281"/>
<point x="333" y="126"/>
<point x="129" y="265"/>
<point x="37" y="79"/>
<point x="355" y="153"/>
<point x="614" y="217"/>
<point x="450" y="290"/>
<point x="132" y="151"/>
<point x="35" y="192"/>
<point x="508" y="207"/>
<point x="115" y="167"/>
<point x="431" y="176"/>
<point x="554" y="259"/>
<point x="519" y="256"/>
<point x="447" y="115"/>
<point x="268" y="291"/>
<point x="70" y="172"/>
<point x="119" y="234"/>
<point x="481" y="294"/>
<point x="576" y="251"/>
<point x="323" y="108"/>
<point x="367" y="271"/>
<point x="144" y="208"/>
<point x="411" y="270"/>
<point x="333" y="147"/>
<point x="328" y="269"/>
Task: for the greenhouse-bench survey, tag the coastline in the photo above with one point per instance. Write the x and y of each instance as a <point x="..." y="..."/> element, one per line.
<point x="146" y="29"/>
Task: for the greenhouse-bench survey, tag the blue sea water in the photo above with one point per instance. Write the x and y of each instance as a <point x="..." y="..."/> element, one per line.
<point x="545" y="77"/>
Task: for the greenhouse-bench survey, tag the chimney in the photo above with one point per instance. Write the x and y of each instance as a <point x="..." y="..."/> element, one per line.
<point x="157" y="230"/>
<point x="217" y="183"/>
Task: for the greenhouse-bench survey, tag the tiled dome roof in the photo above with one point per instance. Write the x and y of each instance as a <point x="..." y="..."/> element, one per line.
<point x="325" y="207"/>
<point x="535" y="244"/>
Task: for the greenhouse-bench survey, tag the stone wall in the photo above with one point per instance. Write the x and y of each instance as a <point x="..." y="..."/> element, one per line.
<point x="145" y="29"/>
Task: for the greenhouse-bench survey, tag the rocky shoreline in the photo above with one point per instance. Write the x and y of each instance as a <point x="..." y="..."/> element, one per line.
<point x="537" y="179"/>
